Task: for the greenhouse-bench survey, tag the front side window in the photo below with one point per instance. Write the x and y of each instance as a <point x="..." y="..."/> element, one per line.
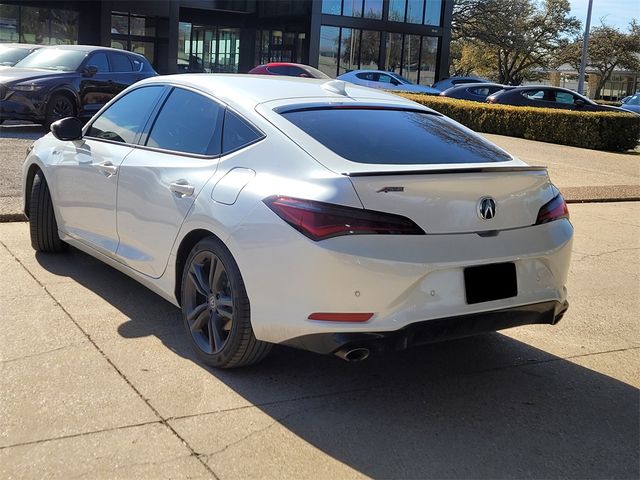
<point x="120" y="62"/>
<point x="380" y="135"/>
<point x="564" y="97"/>
<point x="189" y="123"/>
<point x="385" y="79"/>
<point x="99" y="60"/>
<point x="123" y="120"/>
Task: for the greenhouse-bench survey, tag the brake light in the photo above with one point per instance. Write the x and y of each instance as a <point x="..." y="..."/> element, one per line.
<point x="553" y="210"/>
<point x="320" y="220"/>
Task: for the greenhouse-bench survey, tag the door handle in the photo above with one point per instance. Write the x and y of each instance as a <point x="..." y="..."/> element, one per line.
<point x="108" y="168"/>
<point x="181" y="188"/>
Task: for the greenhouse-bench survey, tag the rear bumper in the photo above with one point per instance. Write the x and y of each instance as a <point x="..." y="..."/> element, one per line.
<point x="431" y="331"/>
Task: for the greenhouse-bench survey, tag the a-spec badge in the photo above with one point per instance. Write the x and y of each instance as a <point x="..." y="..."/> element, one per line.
<point x="486" y="208"/>
<point x="390" y="189"/>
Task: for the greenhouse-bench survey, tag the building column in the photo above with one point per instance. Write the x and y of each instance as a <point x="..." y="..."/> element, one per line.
<point x="173" y="37"/>
<point x="314" y="33"/>
<point x="445" y="41"/>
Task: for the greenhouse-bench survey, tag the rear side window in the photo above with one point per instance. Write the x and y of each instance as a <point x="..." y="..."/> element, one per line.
<point x="397" y="137"/>
<point x="120" y="63"/>
<point x="237" y="133"/>
<point x="189" y="123"/>
<point x="279" y="69"/>
<point x="123" y="120"/>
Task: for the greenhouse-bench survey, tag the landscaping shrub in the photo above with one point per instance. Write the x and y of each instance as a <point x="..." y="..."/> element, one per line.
<point x="596" y="130"/>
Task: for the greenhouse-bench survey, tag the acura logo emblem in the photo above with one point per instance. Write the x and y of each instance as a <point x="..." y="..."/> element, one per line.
<point x="487" y="208"/>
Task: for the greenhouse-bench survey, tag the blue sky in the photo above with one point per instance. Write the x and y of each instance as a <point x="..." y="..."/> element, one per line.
<point x="617" y="13"/>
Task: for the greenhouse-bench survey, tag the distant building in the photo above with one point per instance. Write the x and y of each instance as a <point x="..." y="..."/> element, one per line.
<point x="410" y="37"/>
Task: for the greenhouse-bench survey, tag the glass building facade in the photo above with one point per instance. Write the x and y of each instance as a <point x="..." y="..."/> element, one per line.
<point x="409" y="37"/>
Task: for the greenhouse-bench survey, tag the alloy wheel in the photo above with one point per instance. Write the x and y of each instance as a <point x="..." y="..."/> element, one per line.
<point x="209" y="302"/>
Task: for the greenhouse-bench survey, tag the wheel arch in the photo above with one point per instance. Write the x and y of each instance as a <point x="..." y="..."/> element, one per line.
<point x="71" y="95"/>
<point x="31" y="173"/>
<point x="186" y="245"/>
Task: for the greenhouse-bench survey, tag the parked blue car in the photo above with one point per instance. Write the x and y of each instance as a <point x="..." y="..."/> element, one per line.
<point x="385" y="80"/>
<point x="632" y="104"/>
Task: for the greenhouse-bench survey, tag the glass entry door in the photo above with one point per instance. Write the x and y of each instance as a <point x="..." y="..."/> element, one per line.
<point x="208" y="49"/>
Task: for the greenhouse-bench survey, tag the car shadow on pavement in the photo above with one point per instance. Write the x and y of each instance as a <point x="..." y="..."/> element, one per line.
<point x="24" y="131"/>
<point x="481" y="407"/>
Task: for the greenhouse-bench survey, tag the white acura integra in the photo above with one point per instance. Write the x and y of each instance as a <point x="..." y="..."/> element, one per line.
<point x="311" y="213"/>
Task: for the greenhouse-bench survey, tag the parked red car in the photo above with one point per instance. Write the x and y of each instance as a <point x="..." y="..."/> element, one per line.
<point x="288" y="69"/>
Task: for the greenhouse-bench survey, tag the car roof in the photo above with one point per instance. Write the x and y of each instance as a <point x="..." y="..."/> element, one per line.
<point x="22" y="45"/>
<point x="246" y="91"/>
<point x="91" y="48"/>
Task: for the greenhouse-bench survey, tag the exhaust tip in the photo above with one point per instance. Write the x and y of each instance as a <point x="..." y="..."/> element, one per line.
<point x="354" y="354"/>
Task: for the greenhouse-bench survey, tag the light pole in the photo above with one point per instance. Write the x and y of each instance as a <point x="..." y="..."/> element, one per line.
<point x="585" y="48"/>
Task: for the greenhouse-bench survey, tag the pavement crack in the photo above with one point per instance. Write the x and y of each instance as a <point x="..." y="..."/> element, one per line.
<point x="584" y="256"/>
<point x="81" y="434"/>
<point x="111" y="363"/>
<point x="46" y="352"/>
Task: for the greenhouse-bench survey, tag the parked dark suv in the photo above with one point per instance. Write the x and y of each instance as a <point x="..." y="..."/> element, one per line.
<point x="66" y="81"/>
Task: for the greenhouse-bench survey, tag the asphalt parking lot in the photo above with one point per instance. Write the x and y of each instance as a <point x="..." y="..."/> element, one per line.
<point x="98" y="381"/>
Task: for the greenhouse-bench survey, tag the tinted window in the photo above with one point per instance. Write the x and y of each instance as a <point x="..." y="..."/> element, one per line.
<point x="99" y="60"/>
<point x="384" y="79"/>
<point x="188" y="122"/>
<point x="534" y="94"/>
<point x="120" y="63"/>
<point x="564" y="97"/>
<point x="237" y="133"/>
<point x="365" y="76"/>
<point x="635" y="100"/>
<point x="279" y="70"/>
<point x="394" y="136"/>
<point x="123" y="120"/>
<point x="482" y="91"/>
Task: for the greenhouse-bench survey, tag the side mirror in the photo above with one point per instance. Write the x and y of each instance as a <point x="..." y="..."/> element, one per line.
<point x="89" y="71"/>
<point x="579" y="103"/>
<point x="69" y="128"/>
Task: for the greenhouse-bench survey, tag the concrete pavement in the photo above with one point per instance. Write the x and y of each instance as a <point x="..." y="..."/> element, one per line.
<point x="97" y="380"/>
<point x="581" y="174"/>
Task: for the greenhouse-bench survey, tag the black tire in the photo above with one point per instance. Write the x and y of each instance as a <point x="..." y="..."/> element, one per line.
<point x="59" y="106"/>
<point x="215" y="308"/>
<point x="42" y="221"/>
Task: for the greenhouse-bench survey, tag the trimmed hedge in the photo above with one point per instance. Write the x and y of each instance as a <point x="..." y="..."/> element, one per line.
<point x="596" y="130"/>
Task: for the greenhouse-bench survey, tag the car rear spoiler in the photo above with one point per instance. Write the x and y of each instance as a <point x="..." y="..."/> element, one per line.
<point x="447" y="170"/>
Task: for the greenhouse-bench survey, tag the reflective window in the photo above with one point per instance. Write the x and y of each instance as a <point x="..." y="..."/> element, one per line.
<point x="414" y="11"/>
<point x="237" y="133"/>
<point x="329" y="38"/>
<point x="53" y="59"/>
<point x="9" y="20"/>
<point x="411" y="58"/>
<point x="394" y="52"/>
<point x="369" y="50"/>
<point x="34" y="25"/>
<point x="120" y="62"/>
<point x="397" y="10"/>
<point x="394" y="137"/>
<point x="99" y="60"/>
<point x="188" y="122"/>
<point x="142" y="26"/>
<point x="433" y="12"/>
<point x="482" y="91"/>
<point x="9" y="56"/>
<point x="352" y="8"/>
<point x="373" y="9"/>
<point x="120" y="24"/>
<point x="428" y="60"/>
<point x="146" y="49"/>
<point x="123" y="120"/>
<point x="64" y="27"/>
<point x="332" y="7"/>
<point x="350" y="51"/>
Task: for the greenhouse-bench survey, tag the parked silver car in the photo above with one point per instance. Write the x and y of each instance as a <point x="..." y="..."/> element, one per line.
<point x="386" y="81"/>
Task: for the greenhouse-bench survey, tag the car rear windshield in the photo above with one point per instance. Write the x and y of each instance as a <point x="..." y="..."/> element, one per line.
<point x="393" y="136"/>
<point x="53" y="59"/>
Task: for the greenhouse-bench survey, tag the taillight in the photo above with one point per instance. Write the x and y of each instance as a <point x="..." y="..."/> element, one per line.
<point x="553" y="210"/>
<point x="320" y="220"/>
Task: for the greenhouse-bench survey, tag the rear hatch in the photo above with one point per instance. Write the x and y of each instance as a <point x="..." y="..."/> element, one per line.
<point x="452" y="202"/>
<point x="408" y="160"/>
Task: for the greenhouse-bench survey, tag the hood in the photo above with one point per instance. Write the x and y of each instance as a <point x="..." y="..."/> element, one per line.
<point x="12" y="74"/>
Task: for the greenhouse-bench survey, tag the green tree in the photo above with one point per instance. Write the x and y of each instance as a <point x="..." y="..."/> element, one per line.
<point x="609" y="49"/>
<point x="519" y="36"/>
